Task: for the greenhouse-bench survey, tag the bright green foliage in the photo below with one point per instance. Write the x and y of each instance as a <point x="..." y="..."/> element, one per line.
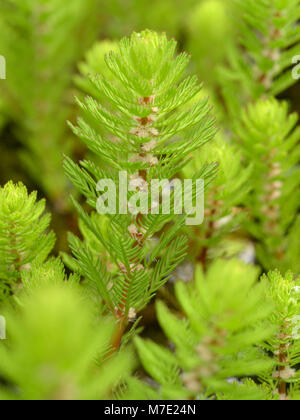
<point x="269" y="39"/>
<point x="92" y="242"/>
<point x="221" y="340"/>
<point x="270" y="141"/>
<point x="41" y="40"/>
<point x="23" y="234"/>
<point x="150" y="135"/>
<point x="49" y="274"/>
<point x="282" y="382"/>
<point x="55" y="352"/>
<point x="226" y="314"/>
<point x="223" y="197"/>
<point x="95" y="64"/>
<point x="285" y="344"/>
<point x="95" y="249"/>
<point x="135" y="389"/>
